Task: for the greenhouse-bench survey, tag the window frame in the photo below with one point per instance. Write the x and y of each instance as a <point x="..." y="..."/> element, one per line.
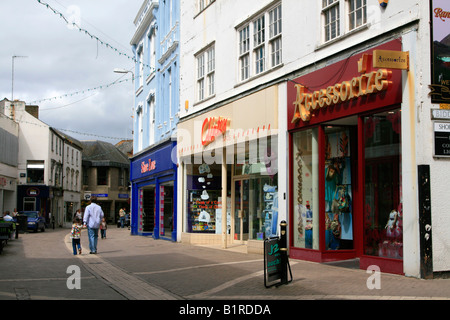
<point x="260" y="43"/>
<point x="346" y="20"/>
<point x="205" y="71"/>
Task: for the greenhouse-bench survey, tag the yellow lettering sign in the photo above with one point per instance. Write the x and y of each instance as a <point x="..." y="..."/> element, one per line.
<point x="367" y="83"/>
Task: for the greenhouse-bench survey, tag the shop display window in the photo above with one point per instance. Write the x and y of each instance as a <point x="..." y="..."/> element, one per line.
<point x="383" y="230"/>
<point x="204" y="203"/>
<point x="306" y="189"/>
<point x="338" y="189"/>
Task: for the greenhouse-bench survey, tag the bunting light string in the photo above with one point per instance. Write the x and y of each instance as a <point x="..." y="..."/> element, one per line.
<point x="67" y="130"/>
<point x="94" y="37"/>
<point x="92" y="134"/>
<point x="105" y="86"/>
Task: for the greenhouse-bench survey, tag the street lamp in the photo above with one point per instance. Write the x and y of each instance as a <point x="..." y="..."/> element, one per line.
<point x="12" y="76"/>
<point x="118" y="70"/>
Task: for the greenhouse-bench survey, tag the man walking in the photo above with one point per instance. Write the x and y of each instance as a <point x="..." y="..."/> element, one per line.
<point x="93" y="216"/>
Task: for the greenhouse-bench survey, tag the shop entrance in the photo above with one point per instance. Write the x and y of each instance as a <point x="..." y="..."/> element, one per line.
<point x="255" y="208"/>
<point x="147" y="216"/>
<point x="339" y="199"/>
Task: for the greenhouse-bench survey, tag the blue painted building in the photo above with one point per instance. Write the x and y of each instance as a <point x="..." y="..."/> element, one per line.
<point x="155" y="44"/>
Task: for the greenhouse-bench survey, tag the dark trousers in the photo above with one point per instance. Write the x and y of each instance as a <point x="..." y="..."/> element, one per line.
<point x="76" y="243"/>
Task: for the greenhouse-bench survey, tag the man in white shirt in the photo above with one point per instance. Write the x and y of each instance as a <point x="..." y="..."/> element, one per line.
<point x="93" y="216"/>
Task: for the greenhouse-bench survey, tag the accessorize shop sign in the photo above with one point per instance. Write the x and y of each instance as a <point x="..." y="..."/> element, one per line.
<point x="345" y="88"/>
<point x="365" y="84"/>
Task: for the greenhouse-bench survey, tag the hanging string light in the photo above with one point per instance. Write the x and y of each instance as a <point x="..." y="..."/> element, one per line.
<point x="92" y="36"/>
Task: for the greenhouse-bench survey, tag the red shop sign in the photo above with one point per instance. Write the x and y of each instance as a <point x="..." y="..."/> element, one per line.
<point x="345" y="88"/>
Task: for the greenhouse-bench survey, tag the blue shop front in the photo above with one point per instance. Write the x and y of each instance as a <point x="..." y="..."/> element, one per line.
<point x="153" y="178"/>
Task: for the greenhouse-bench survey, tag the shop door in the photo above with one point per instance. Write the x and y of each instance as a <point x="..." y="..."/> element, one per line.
<point x="241" y="209"/>
<point x="255" y="208"/>
<point x="339" y="157"/>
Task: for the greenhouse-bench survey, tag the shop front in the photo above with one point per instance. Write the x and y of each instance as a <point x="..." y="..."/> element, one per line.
<point x="34" y="198"/>
<point x="153" y="187"/>
<point x="228" y="166"/>
<point x="345" y="154"/>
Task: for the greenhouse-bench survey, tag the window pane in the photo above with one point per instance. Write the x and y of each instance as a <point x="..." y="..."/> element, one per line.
<point x="338" y="189"/>
<point x="331" y="22"/>
<point x="211" y="84"/>
<point x="259" y="60"/>
<point x="276" y="52"/>
<point x="245" y="67"/>
<point x="306" y="189"/>
<point x="201" y="88"/>
<point x="357" y="13"/>
<point x="200" y="66"/>
<point x="383" y="227"/>
<point x="244" y="41"/>
<point x="258" y="31"/>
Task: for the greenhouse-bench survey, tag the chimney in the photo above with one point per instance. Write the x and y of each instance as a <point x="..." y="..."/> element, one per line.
<point x="33" y="110"/>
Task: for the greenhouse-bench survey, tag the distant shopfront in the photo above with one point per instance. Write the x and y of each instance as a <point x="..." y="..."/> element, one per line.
<point x="228" y="164"/>
<point x="345" y="153"/>
<point x="153" y="187"/>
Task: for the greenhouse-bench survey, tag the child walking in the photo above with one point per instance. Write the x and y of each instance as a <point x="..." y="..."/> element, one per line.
<point x="103" y="228"/>
<point x="75" y="234"/>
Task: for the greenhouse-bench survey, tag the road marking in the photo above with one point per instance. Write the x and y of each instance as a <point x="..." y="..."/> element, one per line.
<point x="196" y="267"/>
<point x="128" y="285"/>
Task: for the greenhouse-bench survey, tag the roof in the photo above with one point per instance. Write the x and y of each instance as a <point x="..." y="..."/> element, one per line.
<point x="100" y="153"/>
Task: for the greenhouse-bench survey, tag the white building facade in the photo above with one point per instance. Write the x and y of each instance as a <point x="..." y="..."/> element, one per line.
<point x="48" y="174"/>
<point x="279" y="96"/>
<point x="9" y="144"/>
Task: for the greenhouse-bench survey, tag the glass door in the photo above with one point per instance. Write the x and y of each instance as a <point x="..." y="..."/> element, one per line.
<point x="241" y="209"/>
<point x="338" y="188"/>
<point x="255" y="208"/>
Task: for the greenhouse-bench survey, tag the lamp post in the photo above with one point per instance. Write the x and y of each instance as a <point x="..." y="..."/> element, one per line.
<point x="133" y="224"/>
<point x="118" y="70"/>
<point x="12" y="77"/>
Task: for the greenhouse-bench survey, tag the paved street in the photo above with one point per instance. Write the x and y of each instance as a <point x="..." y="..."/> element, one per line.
<point x="40" y="266"/>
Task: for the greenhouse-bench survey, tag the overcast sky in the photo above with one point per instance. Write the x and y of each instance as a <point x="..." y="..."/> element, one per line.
<point x="61" y="62"/>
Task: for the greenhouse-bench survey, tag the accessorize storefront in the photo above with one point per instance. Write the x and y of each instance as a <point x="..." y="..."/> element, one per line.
<point x="153" y="192"/>
<point x="345" y="151"/>
<point x="228" y="172"/>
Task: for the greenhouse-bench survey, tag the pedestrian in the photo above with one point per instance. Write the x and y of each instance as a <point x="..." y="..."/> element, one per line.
<point x="122" y="217"/>
<point x="78" y="214"/>
<point x="7" y="217"/>
<point x="103" y="227"/>
<point x="75" y="234"/>
<point x="93" y="215"/>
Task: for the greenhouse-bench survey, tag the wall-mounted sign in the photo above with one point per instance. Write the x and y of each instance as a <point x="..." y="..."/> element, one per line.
<point x="87" y="195"/>
<point x="362" y="85"/>
<point x="33" y="192"/>
<point x="441" y="139"/>
<point x="212" y="128"/>
<point x="391" y="59"/>
<point x="345" y="88"/>
<point x="440" y="114"/>
<point x="147" y="166"/>
<point x="100" y="195"/>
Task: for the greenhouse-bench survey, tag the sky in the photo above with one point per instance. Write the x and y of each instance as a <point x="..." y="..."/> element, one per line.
<point x="60" y="62"/>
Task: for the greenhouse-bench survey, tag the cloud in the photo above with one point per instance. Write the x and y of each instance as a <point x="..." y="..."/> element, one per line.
<point x="62" y="62"/>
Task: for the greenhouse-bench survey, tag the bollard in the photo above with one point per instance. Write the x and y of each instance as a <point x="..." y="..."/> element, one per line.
<point x="283" y="252"/>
